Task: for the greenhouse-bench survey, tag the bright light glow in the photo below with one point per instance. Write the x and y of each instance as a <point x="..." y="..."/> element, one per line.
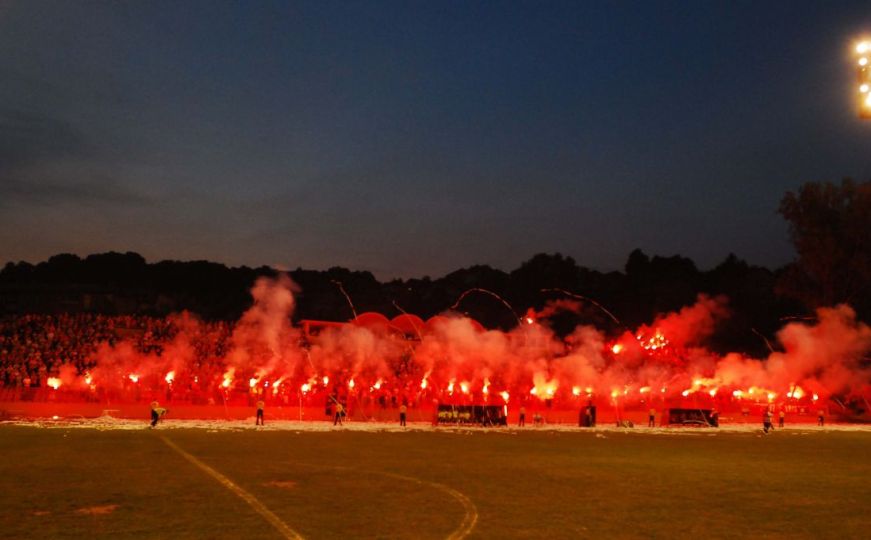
<point x="771" y="396"/>
<point x="326" y="380"/>
<point x="588" y="390"/>
<point x="863" y="88"/>
<point x="534" y="391"/>
<point x="868" y="101"/>
<point x="616" y="348"/>
<point x="863" y="47"/>
<point x="305" y="387"/>
<point x="685" y="393"/>
<point x="451" y="387"/>
<point x="133" y="377"/>
<point x="644" y="390"/>
<point x="863" y="61"/>
<point x="54" y="382"/>
<point x="252" y="382"/>
<point x="486" y="389"/>
<point x="169" y="377"/>
<point x="505" y="395"/>
<point x="351" y="383"/>
<point x="464" y="387"/>
<point x="529" y="320"/>
<point x="88" y="378"/>
<point x="797" y="393"/>
<point x="614" y="393"/>
<point x="738" y="393"/>
<point x="377" y="385"/>
<point x="816" y="397"/>
<point x="423" y="384"/>
<point x="713" y="392"/>
<point x="576" y="390"/>
<point x="662" y="389"/>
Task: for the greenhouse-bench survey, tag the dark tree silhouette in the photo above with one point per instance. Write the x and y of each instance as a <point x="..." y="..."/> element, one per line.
<point x="830" y="226"/>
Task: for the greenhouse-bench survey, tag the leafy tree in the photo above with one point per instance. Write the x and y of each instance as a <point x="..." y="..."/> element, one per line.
<point x="830" y="226"/>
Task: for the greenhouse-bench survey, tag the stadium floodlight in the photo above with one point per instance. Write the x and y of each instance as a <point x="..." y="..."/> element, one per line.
<point x="863" y="73"/>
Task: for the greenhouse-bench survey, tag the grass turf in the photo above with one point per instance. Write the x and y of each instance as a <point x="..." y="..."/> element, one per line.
<point x="55" y="482"/>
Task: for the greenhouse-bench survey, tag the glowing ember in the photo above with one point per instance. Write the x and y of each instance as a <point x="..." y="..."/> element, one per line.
<point x="712" y="392"/>
<point x="54" y="382"/>
<point x="133" y="377"/>
<point x="616" y="348"/>
<point x="351" y="383"/>
<point x="228" y="378"/>
<point x="685" y="393"/>
<point x="815" y="397"/>
<point x="377" y="385"/>
<point x="657" y="341"/>
<point x="529" y="320"/>
<point x="326" y="380"/>
<point x="169" y="377"/>
<point x="644" y="390"/>
<point x="423" y="384"/>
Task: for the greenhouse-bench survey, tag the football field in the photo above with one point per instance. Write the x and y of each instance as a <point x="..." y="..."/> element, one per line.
<point x="432" y="483"/>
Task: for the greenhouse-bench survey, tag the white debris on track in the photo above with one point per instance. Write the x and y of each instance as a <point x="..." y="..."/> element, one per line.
<point x="217" y="425"/>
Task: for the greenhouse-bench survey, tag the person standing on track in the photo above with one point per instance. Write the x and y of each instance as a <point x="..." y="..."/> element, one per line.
<point x="522" y="421"/>
<point x="260" y="406"/>
<point x="340" y="412"/>
<point x="402" y="410"/>
<point x="157" y="412"/>
<point x="766" y="421"/>
<point x="651" y="418"/>
<point x="781" y="418"/>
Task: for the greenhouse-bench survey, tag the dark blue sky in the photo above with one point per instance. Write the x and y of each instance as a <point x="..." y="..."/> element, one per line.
<point x="416" y="138"/>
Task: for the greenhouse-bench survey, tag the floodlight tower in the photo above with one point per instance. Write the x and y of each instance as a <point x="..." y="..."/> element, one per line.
<point x="863" y="69"/>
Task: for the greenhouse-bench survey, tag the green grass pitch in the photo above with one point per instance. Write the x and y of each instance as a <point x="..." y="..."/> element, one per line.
<point x="87" y="483"/>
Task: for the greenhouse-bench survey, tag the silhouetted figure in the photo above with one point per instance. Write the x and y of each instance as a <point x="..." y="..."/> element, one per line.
<point x="781" y="418"/>
<point x="766" y="421"/>
<point x="157" y="412"/>
<point x="260" y="406"/>
<point x="651" y="418"/>
<point x="340" y="412"/>
<point x="402" y="410"/>
<point x="522" y="421"/>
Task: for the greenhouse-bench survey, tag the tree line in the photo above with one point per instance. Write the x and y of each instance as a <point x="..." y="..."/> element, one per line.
<point x="830" y="226"/>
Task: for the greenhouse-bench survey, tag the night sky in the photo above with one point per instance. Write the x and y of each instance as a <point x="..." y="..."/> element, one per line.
<point x="412" y="139"/>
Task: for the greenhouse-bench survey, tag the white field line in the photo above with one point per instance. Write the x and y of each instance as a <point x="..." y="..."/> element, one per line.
<point x="252" y="501"/>
<point x="470" y="517"/>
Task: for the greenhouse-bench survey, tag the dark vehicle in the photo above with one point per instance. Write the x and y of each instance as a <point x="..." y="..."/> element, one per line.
<point x="483" y="415"/>
<point x="693" y="417"/>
